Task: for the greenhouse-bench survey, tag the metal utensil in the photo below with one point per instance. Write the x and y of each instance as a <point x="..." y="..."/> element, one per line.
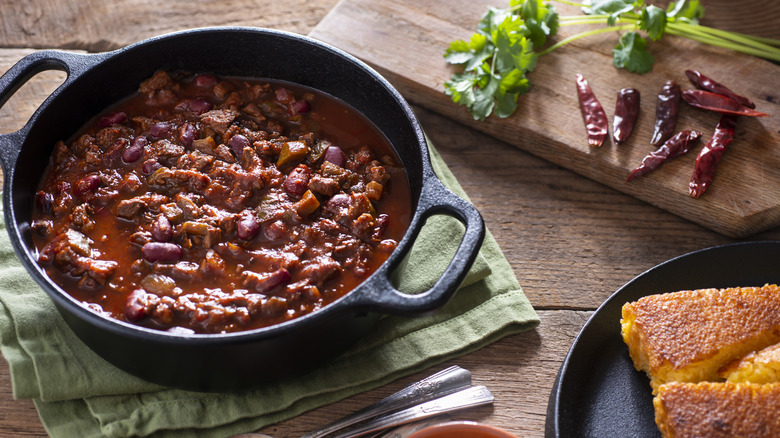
<point x="407" y="429"/>
<point x="465" y="398"/>
<point x="442" y="383"/>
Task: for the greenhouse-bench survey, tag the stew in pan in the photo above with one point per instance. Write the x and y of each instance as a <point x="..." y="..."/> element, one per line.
<point x="213" y="204"/>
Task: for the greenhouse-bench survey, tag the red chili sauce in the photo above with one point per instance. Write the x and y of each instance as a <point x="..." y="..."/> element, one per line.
<point x="210" y="205"/>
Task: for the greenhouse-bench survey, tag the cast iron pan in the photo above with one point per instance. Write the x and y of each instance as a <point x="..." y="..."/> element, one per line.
<point x="598" y="393"/>
<point x="235" y="360"/>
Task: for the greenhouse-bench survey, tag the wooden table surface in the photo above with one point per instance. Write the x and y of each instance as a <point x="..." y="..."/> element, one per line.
<point x="571" y="241"/>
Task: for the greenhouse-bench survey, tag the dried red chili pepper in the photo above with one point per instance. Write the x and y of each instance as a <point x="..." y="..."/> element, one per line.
<point x="710" y="155"/>
<point x="710" y="84"/>
<point x="718" y="103"/>
<point x="679" y="144"/>
<point x="592" y="113"/>
<point x="626" y="112"/>
<point x="666" y="112"/>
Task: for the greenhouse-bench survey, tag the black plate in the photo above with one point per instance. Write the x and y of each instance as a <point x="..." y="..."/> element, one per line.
<point x="598" y="393"/>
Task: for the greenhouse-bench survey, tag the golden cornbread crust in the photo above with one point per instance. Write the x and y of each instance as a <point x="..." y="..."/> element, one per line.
<point x="722" y="409"/>
<point x="688" y="336"/>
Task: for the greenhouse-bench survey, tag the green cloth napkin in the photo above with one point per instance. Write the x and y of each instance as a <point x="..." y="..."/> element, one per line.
<point x="79" y="394"/>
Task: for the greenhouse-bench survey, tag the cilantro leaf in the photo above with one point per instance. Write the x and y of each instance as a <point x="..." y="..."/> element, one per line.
<point x="653" y="21"/>
<point x="458" y="52"/>
<point x="631" y="54"/>
<point x="506" y="104"/>
<point x="613" y="8"/>
<point x="484" y="99"/>
<point x="471" y="54"/>
<point x="508" y="39"/>
<point x="460" y="88"/>
<point x="514" y="82"/>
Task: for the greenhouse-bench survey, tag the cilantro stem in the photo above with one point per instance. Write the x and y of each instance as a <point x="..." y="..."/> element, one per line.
<point x="565" y="2"/>
<point x="764" y="52"/>
<point x="587" y="34"/>
<point x="759" y="42"/>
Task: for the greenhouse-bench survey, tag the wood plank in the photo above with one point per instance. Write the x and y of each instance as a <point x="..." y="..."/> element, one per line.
<point x="405" y="41"/>
<point x="18" y="418"/>
<point x="571" y="241"/>
<point x="99" y="25"/>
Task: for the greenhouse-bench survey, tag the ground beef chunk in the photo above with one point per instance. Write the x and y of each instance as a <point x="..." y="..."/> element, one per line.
<point x="220" y="119"/>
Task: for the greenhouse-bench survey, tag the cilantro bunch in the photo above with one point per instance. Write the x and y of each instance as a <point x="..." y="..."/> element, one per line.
<point x="508" y="42"/>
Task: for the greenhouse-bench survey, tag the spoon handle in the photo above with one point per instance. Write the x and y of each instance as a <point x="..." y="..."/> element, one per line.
<point x="465" y="398"/>
<point x="442" y="383"/>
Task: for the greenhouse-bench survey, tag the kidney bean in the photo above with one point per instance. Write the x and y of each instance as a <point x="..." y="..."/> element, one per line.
<point x="133" y="153"/>
<point x="247" y="226"/>
<point x="265" y="282"/>
<point x="335" y="155"/>
<point x="195" y="105"/>
<point x="205" y="80"/>
<point x="237" y="143"/>
<point x="299" y="107"/>
<point x="275" y="231"/>
<point x="337" y="203"/>
<point x="112" y="119"/>
<point x="162" y="252"/>
<point x="150" y="166"/>
<point x="297" y="180"/>
<point x="162" y="230"/>
<point x="139" y="140"/>
<point x="88" y="184"/>
<point x="380" y="227"/>
<point x="136" y="306"/>
<point x="187" y="134"/>
<point x="161" y="130"/>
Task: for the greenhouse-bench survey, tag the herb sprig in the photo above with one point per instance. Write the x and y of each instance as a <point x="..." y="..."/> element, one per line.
<point x="506" y="47"/>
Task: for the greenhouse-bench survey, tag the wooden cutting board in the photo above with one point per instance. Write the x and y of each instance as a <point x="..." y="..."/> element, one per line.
<point x="405" y="40"/>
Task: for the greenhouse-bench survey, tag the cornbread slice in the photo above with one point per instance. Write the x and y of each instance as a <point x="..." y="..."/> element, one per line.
<point x="718" y="409"/>
<point x="688" y="336"/>
<point x="757" y="367"/>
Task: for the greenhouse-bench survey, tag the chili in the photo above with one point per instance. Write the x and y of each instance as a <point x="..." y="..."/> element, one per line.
<point x="666" y="111"/>
<point x="710" y="155"/>
<point x="679" y="144"/>
<point x="718" y="103"/>
<point x="626" y="112"/>
<point x="592" y="113"/>
<point x="709" y="84"/>
<point x="212" y="204"/>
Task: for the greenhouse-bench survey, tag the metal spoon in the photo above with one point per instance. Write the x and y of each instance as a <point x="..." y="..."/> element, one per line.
<point x="465" y="398"/>
<point x="437" y="385"/>
<point x="442" y="383"/>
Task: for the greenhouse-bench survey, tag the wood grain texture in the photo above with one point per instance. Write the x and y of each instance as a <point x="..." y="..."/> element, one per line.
<point x="405" y="41"/>
<point x="99" y="25"/>
<point x="571" y="241"/>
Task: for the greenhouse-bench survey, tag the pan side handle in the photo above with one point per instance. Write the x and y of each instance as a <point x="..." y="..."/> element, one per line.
<point x="17" y="76"/>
